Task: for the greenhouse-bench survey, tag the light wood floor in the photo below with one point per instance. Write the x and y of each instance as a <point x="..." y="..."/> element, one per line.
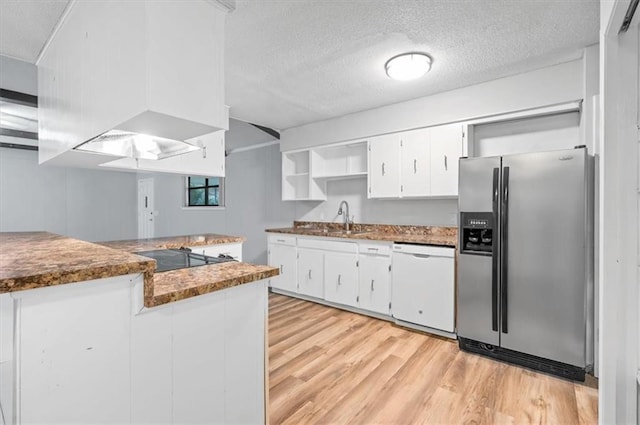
<point x="334" y="367"/>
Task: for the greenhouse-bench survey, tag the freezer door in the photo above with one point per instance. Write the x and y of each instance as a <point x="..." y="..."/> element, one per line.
<point x="543" y="276"/>
<point x="475" y="191"/>
<point x="478" y="275"/>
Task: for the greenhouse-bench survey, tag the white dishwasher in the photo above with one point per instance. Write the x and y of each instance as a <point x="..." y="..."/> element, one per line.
<point x="423" y="285"/>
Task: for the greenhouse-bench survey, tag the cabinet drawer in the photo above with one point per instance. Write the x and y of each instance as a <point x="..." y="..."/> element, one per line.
<point x="282" y="239"/>
<point x="328" y="245"/>
<point x="375" y="248"/>
<point x="436" y="251"/>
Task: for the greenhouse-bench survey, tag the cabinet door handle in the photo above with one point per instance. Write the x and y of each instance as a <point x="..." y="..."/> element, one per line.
<point x="280" y="240"/>
<point x="204" y="151"/>
<point x="383" y="168"/>
<point x="339" y="279"/>
<point x="446" y="168"/>
<point x="281" y="268"/>
<point x="415" y="166"/>
<point x="372" y="284"/>
<point x="309" y="273"/>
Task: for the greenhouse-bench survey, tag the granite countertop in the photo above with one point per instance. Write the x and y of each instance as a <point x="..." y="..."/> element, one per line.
<point x="424" y="235"/>
<point x="133" y="245"/>
<point x="32" y="260"/>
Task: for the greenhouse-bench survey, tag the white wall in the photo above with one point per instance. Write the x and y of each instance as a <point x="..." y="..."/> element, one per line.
<point x="18" y="76"/>
<point x="543" y="87"/>
<point x="253" y="193"/>
<point x="86" y="204"/>
<point x="434" y="212"/>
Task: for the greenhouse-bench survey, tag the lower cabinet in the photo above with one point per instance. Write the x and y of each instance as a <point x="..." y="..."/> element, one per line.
<point x="311" y="272"/>
<point x="374" y="283"/>
<point x="411" y="283"/>
<point x="341" y="278"/>
<point x="282" y="253"/>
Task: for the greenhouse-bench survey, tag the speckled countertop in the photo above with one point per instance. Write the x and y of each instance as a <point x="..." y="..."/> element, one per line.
<point x="134" y="245"/>
<point x="424" y="235"/>
<point x="32" y="260"/>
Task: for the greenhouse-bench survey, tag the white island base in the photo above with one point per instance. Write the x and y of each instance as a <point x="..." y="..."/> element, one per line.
<point x="88" y="353"/>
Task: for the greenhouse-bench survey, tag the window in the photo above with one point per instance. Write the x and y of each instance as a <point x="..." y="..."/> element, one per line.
<point x="205" y="191"/>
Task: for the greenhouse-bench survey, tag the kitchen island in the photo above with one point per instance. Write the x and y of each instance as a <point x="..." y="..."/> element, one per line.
<point x="90" y="333"/>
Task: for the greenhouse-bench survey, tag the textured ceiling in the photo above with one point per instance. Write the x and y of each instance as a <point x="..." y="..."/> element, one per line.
<point x="294" y="62"/>
<point x="25" y="25"/>
<point x="290" y="62"/>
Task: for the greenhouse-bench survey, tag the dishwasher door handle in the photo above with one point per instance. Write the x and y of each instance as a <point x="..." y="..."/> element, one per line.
<point x="423" y="255"/>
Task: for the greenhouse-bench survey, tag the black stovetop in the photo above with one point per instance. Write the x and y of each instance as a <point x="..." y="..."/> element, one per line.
<point x="173" y="259"/>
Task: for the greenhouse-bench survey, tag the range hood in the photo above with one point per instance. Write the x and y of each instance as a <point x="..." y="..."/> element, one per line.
<point x="143" y="89"/>
<point x="136" y="145"/>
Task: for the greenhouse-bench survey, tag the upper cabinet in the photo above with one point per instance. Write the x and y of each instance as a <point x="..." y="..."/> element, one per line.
<point x="416" y="163"/>
<point x="148" y="67"/>
<point x="384" y="166"/>
<point x="305" y="173"/>
<point x="409" y="164"/>
<point x="447" y="146"/>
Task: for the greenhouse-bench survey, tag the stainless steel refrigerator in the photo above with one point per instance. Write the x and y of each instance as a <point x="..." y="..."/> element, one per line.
<point x="525" y="279"/>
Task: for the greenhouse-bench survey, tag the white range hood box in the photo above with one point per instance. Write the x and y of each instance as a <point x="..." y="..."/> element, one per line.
<point x="150" y="67"/>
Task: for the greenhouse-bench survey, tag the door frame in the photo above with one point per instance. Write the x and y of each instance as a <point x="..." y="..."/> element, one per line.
<point x="145" y="232"/>
<point x="618" y="216"/>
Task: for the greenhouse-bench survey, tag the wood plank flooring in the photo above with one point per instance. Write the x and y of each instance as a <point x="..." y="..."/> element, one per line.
<point x="328" y="366"/>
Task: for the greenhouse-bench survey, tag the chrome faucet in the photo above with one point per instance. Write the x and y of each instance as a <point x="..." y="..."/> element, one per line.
<point x="345" y="214"/>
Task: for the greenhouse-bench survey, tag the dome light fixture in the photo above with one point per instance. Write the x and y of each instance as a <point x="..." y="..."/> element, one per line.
<point x="408" y="66"/>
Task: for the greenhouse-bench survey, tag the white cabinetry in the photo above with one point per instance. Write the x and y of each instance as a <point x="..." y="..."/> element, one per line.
<point x="121" y="65"/>
<point x="305" y="173"/>
<point x="73" y="352"/>
<point x="416" y="163"/>
<point x="423" y="285"/>
<point x="341" y="274"/>
<point x="282" y="254"/>
<point x="384" y="166"/>
<point x="311" y="272"/>
<point x="446" y="149"/>
<point x="415" y="166"/>
<point x="208" y="161"/>
<point x="78" y="353"/>
<point x="375" y="277"/>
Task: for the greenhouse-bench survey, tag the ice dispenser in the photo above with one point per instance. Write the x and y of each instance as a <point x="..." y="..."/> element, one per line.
<point x="477" y="233"/>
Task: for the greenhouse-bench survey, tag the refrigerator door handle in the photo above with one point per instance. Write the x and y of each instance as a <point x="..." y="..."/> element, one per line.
<point x="504" y="248"/>
<point x="494" y="255"/>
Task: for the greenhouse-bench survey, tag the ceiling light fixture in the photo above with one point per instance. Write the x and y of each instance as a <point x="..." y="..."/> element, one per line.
<point x="408" y="66"/>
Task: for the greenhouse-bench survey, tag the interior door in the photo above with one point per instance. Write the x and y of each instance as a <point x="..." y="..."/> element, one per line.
<point x="544" y="279"/>
<point x="145" y="209"/>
